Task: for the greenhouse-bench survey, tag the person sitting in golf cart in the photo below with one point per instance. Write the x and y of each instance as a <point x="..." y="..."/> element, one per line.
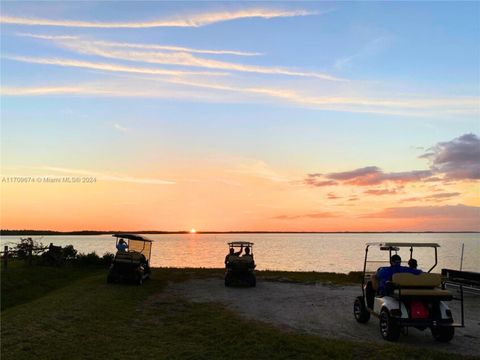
<point x="247" y="255"/>
<point x="231" y="254"/>
<point x="412" y="263"/>
<point x="385" y="274"/>
<point x="122" y="245"/>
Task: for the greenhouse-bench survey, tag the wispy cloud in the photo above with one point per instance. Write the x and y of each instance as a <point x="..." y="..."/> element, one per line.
<point x="107" y="67"/>
<point x="256" y="168"/>
<point x="50" y="90"/>
<point x="315" y="215"/>
<point x="370" y="175"/>
<point x="108" y="176"/>
<point x="380" y="192"/>
<point x="147" y="87"/>
<point x="120" y="128"/>
<point x="193" y="20"/>
<point x="435" y="197"/>
<point x="115" y="50"/>
<point x="445" y="211"/>
<point x="368" y="50"/>
<point x="316" y="181"/>
<point x="409" y="107"/>
<point x="142" y="45"/>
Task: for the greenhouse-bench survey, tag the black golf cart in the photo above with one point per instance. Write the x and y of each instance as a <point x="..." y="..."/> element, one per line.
<point x="131" y="265"/>
<point x="240" y="269"/>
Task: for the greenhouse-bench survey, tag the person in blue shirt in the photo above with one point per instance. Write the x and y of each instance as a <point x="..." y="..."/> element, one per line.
<point x="385" y="274"/>
<point x="122" y="245"/>
<point x="412" y="263"/>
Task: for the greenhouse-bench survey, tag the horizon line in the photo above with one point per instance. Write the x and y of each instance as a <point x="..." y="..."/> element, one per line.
<point x="15" y="232"/>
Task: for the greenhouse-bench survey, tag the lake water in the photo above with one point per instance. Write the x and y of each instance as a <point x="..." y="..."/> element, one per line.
<point x="292" y="252"/>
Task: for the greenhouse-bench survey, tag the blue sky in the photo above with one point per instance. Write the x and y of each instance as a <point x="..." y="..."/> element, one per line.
<point x="158" y="88"/>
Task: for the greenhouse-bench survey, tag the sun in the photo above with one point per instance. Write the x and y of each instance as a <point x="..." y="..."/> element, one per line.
<point x="193" y="231"/>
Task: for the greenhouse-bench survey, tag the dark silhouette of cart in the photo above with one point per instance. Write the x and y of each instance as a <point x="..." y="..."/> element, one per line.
<point x="131" y="265"/>
<point x="240" y="269"/>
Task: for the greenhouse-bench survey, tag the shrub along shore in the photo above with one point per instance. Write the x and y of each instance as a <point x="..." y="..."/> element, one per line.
<point x="70" y="312"/>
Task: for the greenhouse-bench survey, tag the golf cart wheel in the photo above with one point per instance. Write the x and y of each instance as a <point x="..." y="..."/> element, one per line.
<point x="443" y="333"/>
<point x="110" y="279"/>
<point x="253" y="281"/>
<point x="228" y="281"/>
<point x="389" y="329"/>
<point x="362" y="315"/>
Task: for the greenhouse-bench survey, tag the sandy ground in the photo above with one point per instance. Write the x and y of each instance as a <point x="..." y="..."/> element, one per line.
<point x="324" y="310"/>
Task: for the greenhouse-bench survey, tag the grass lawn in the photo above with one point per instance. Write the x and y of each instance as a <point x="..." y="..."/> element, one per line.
<point x="71" y="313"/>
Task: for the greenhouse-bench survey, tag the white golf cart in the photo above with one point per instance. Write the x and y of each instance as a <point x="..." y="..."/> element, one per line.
<point x="408" y="300"/>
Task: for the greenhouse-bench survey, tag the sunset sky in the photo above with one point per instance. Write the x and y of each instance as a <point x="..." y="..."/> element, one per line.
<point x="315" y="116"/>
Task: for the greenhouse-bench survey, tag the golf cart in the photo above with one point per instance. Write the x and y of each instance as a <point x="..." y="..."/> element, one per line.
<point x="133" y="264"/>
<point x="408" y="300"/>
<point x="240" y="268"/>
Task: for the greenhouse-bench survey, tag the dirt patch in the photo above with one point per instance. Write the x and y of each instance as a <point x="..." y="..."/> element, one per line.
<point x="324" y="310"/>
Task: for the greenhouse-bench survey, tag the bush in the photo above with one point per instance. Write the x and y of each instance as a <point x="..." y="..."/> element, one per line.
<point x="107" y="258"/>
<point x="88" y="259"/>
<point x="69" y="252"/>
<point x="23" y="247"/>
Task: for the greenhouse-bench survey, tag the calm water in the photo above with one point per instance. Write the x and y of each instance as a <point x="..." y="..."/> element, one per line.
<point x="294" y="252"/>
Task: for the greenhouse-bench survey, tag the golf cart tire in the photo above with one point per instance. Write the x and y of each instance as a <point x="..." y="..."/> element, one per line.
<point x="389" y="329"/>
<point x="253" y="281"/>
<point x="110" y="279"/>
<point x="443" y="333"/>
<point x="362" y="315"/>
<point x="139" y="279"/>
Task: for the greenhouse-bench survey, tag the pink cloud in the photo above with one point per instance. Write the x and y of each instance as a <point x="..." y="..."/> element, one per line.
<point x="435" y="197"/>
<point x="380" y="192"/>
<point x="315" y="215"/>
<point x="457" y="159"/>
<point x="445" y="211"/>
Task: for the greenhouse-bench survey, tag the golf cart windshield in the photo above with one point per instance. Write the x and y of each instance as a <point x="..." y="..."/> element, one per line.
<point x="379" y="253"/>
<point x="137" y="243"/>
<point x="239" y="244"/>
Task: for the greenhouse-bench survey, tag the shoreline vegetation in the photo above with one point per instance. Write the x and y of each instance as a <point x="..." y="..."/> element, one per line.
<point x="45" y="310"/>
<point x="7" y="232"/>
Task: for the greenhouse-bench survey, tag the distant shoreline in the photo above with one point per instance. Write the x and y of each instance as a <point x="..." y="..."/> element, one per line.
<point x="156" y="232"/>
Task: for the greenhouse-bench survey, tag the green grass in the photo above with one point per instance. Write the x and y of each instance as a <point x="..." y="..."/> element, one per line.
<point x="85" y="318"/>
<point x="22" y="283"/>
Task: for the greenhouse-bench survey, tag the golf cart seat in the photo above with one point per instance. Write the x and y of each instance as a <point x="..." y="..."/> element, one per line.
<point x="130" y="257"/>
<point x="422" y="285"/>
<point x="241" y="263"/>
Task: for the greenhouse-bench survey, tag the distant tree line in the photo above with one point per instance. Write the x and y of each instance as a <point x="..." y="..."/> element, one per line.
<point x="7" y="232"/>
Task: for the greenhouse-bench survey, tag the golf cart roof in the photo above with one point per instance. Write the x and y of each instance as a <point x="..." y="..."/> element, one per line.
<point x="240" y="243"/>
<point x="132" y="237"/>
<point x="401" y="244"/>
